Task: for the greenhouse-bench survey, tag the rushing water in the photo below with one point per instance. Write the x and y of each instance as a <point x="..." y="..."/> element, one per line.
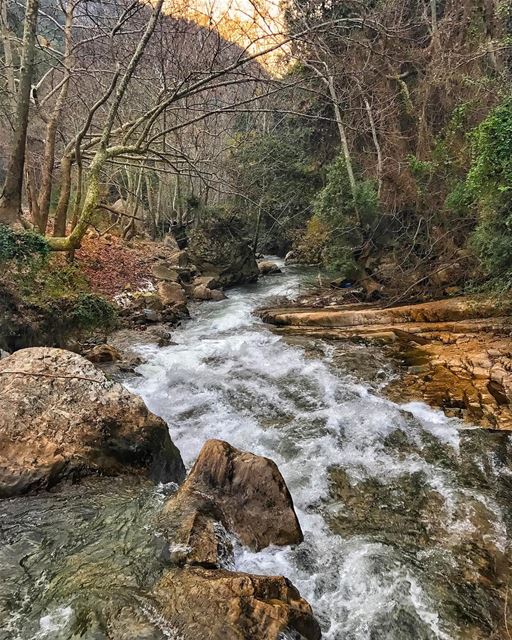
<point x="405" y="514"/>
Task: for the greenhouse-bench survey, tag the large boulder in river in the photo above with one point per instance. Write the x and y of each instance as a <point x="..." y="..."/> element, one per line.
<point x="228" y="489"/>
<point x="214" y="604"/>
<point x="268" y="268"/>
<point x="61" y="418"/>
<point x="218" y="249"/>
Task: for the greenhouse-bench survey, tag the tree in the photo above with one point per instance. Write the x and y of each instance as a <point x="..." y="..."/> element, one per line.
<point x="10" y="198"/>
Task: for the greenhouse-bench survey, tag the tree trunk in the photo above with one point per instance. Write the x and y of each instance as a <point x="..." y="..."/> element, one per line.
<point x="343" y="137"/>
<point x="377" y="145"/>
<point x="257" y="229"/>
<point x="10" y="199"/>
<point x="179" y="212"/>
<point x="8" y="57"/>
<point x="61" y="213"/>
<point x="91" y="201"/>
<point x="151" y="217"/>
<point x="433" y="16"/>
<point x="51" y="128"/>
<point x="31" y="197"/>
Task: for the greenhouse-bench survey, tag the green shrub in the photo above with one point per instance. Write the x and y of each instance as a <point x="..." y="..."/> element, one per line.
<point x="90" y="311"/>
<point x="309" y="246"/>
<point x="347" y="219"/>
<point x="489" y="185"/>
<point x="21" y="247"/>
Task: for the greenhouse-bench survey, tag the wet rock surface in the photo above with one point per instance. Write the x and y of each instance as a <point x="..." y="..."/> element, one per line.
<point x="233" y="606"/>
<point x="267" y="268"/>
<point x="218" y="250"/>
<point x="88" y="560"/>
<point x="467" y="374"/>
<point x="409" y="514"/>
<point x="229" y="492"/>
<point x="61" y="418"/>
<point x="455" y="356"/>
<point x="243" y="492"/>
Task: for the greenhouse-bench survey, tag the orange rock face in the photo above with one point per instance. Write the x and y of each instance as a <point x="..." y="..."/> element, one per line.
<point x="458" y="352"/>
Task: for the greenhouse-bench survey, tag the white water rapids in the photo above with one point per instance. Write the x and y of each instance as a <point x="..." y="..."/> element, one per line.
<point x="404" y="511"/>
<point x="228" y="376"/>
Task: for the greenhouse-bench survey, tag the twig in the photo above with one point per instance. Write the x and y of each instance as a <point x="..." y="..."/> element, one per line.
<point x="50" y="375"/>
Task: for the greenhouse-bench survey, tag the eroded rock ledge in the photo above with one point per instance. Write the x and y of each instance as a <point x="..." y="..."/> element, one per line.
<point x="457" y="352"/>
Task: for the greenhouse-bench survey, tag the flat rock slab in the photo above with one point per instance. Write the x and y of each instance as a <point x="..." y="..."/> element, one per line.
<point x="453" y="309"/>
<point x="163" y="272"/>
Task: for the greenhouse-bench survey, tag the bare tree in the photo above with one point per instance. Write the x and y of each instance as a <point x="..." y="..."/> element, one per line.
<point x="10" y="198"/>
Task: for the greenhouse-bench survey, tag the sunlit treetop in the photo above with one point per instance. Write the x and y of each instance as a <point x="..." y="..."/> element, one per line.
<point x="255" y="25"/>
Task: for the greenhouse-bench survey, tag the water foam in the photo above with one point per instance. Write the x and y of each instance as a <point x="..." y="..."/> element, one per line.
<point x="228" y="377"/>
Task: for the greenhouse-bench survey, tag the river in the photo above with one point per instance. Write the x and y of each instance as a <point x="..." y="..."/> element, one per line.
<point x="404" y="511"/>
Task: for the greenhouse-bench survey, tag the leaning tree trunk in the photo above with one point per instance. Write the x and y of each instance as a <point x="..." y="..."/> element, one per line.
<point x="10" y="199"/>
<point x="93" y="182"/>
<point x="91" y="201"/>
<point x="51" y="128"/>
<point x="61" y="213"/>
<point x="377" y="145"/>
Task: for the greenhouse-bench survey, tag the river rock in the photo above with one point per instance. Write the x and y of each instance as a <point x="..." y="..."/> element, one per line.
<point x="172" y="294"/>
<point x="61" y="418"/>
<point x="180" y="259"/>
<point x="103" y="353"/>
<point x="243" y="492"/>
<point x="163" y="272"/>
<point x="210" y="604"/>
<point x="219" y="250"/>
<point x="290" y="258"/>
<point x="267" y="268"/>
<point x="207" y="281"/>
<point x="202" y="292"/>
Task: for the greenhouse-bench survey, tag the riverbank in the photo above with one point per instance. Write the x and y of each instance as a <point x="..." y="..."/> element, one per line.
<point x="141" y="285"/>
<point x="455" y="354"/>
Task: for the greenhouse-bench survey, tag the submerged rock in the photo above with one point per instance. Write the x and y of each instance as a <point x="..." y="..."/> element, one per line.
<point x="243" y="492"/>
<point x="210" y="604"/>
<point x="61" y="418"/>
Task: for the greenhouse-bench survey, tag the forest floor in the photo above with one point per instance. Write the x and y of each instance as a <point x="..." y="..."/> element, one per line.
<point x="114" y="266"/>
